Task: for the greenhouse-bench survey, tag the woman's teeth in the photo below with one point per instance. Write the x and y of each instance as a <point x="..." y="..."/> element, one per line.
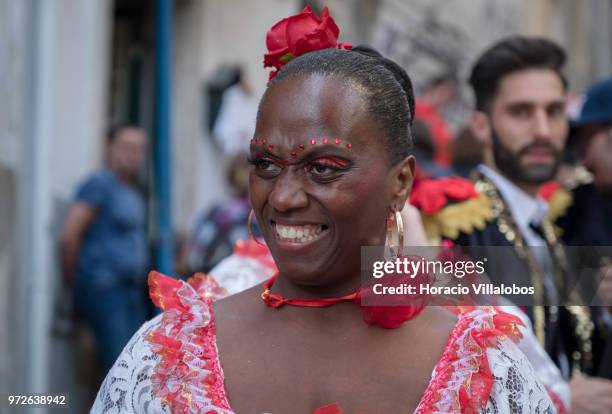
<point x="299" y="234"/>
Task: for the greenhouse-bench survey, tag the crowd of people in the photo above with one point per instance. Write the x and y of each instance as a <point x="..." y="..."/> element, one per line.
<point x="343" y="155"/>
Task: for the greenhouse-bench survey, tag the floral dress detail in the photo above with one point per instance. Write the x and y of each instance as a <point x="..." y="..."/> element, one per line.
<point x="172" y="365"/>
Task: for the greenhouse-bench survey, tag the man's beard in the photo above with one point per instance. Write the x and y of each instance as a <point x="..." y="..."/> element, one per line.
<point x="509" y="163"/>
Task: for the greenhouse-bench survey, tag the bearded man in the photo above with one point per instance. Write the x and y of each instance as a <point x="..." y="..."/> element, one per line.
<point x="501" y="216"/>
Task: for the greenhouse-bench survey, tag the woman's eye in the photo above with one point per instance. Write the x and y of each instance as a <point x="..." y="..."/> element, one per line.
<point x="266" y="167"/>
<point x="322" y="169"/>
<point x="326" y="168"/>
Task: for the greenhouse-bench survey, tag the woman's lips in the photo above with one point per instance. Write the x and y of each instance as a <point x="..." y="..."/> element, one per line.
<point x="298" y="234"/>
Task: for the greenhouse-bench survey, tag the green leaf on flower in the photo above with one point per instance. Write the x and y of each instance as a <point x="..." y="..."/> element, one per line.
<point x="287" y="57"/>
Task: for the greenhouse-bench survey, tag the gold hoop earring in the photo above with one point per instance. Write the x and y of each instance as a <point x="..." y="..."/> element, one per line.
<point x="399" y="228"/>
<point x="250" y="227"/>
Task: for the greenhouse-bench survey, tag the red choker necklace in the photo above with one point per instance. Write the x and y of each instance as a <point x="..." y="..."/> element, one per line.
<point x="275" y="300"/>
<point x="389" y="316"/>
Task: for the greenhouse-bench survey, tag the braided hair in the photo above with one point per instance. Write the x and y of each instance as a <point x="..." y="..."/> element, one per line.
<point x="389" y="96"/>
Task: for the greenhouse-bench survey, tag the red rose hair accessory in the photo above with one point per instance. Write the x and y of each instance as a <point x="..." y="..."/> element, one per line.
<point x="299" y="34"/>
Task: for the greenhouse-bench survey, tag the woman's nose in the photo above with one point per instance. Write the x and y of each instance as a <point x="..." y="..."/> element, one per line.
<point x="288" y="193"/>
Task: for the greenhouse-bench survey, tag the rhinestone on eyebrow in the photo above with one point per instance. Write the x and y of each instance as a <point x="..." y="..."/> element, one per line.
<point x="301" y="147"/>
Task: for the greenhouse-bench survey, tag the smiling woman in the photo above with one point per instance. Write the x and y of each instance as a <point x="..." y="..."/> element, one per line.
<point x="324" y="184"/>
<point x="332" y="165"/>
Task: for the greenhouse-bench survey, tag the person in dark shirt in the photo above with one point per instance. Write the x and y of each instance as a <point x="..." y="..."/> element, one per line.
<point x="520" y="121"/>
<point x="588" y="221"/>
<point x="104" y="245"/>
<point x="219" y="228"/>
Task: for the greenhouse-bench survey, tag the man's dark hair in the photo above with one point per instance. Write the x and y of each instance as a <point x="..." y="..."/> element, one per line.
<point x="114" y="130"/>
<point x="510" y="55"/>
<point x="390" y="98"/>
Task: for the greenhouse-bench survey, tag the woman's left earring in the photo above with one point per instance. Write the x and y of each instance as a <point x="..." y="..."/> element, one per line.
<point x="399" y="228"/>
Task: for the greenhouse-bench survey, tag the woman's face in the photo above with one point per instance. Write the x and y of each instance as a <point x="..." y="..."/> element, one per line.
<point x="318" y="203"/>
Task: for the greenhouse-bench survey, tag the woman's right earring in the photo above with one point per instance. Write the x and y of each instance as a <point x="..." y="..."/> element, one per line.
<point x="250" y="220"/>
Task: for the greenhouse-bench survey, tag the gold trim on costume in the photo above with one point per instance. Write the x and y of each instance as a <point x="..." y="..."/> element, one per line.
<point x="461" y="217"/>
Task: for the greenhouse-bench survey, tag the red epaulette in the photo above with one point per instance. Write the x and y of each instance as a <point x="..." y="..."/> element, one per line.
<point x="449" y="206"/>
<point x="431" y="195"/>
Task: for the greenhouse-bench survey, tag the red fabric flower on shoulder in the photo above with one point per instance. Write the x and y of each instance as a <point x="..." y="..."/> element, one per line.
<point x="430" y="196"/>
<point x="296" y="35"/>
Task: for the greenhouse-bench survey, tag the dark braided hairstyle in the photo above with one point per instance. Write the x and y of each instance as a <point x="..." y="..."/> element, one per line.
<point x="390" y="99"/>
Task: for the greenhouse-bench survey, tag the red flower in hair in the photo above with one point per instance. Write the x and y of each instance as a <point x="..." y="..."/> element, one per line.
<point x="328" y="409"/>
<point x="299" y="34"/>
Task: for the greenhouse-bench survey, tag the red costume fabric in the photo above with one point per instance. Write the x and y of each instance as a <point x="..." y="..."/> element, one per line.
<point x="439" y="130"/>
<point x="189" y="377"/>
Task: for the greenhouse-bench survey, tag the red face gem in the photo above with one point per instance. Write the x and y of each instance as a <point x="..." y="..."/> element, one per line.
<point x="312" y="142"/>
<point x="293" y="154"/>
<point x="349" y="145"/>
<point x="325" y="140"/>
<point x="301" y="147"/>
<point x="337" y="141"/>
<point x="270" y="147"/>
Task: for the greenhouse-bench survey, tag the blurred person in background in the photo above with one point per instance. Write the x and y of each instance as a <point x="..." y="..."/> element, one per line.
<point x="466" y="152"/>
<point x="104" y="245"/>
<point x="425" y="152"/>
<point x="588" y="220"/>
<point x="520" y="120"/>
<point x="235" y="124"/>
<point x="521" y="124"/>
<point x="217" y="230"/>
<point x="430" y="105"/>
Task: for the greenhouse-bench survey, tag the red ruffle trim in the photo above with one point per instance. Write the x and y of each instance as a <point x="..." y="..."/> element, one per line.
<point x="188" y="377"/>
<point x="255" y="249"/>
<point x="431" y="195"/>
<point x="462" y="380"/>
<point x="557" y="402"/>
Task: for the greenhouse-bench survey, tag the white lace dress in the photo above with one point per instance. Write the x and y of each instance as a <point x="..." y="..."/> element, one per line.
<point x="171" y="365"/>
